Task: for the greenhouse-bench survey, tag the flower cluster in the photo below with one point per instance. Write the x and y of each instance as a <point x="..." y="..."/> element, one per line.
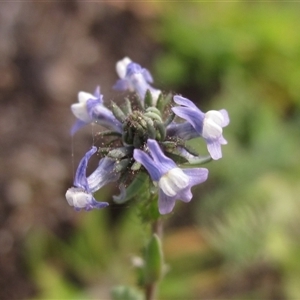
<point x="146" y="134"/>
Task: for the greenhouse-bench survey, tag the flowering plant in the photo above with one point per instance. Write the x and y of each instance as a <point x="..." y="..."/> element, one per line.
<point x="145" y="152"/>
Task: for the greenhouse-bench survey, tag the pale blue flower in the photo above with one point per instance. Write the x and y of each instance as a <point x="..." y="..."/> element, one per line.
<point x="208" y="125"/>
<point x="81" y="195"/>
<point x="90" y="109"/>
<point x="174" y="183"/>
<point x="135" y="79"/>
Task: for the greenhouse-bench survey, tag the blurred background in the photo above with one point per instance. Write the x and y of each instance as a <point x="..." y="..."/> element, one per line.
<point x="239" y="238"/>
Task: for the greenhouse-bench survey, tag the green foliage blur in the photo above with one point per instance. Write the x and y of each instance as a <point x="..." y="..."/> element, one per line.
<point x="243" y="57"/>
<point x="243" y="238"/>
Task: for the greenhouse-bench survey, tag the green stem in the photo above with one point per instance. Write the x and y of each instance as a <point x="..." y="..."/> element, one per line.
<point x="157" y="227"/>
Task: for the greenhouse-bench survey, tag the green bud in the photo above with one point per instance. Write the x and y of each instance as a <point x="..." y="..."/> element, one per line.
<point x="148" y="120"/>
<point x="104" y="150"/>
<point x="163" y="101"/>
<point x="154" y="110"/>
<point x="153" y="260"/>
<point x="161" y="129"/>
<point x="160" y="103"/>
<point x="122" y="165"/>
<point x="127" y="109"/>
<point x="136" y="166"/>
<point x="127" y="135"/>
<point x="118" y="113"/>
<point x="108" y="133"/>
<point x="148" y="101"/>
<point x="121" y="152"/>
<point x="143" y="123"/>
<point x="153" y="116"/>
<point x="151" y="130"/>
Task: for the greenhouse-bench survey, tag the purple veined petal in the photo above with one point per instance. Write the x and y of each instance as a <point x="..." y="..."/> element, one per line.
<point x="103" y="116"/>
<point x="193" y="116"/>
<point x="184" y="102"/>
<point x="182" y="130"/>
<point x="94" y="204"/>
<point x="143" y="158"/>
<point x="185" y="195"/>
<point x="78" y="124"/>
<point x="165" y="203"/>
<point x="136" y="79"/>
<point x="103" y="174"/>
<point x="80" y="109"/>
<point x="225" y="116"/>
<point x="147" y="75"/>
<point x="98" y="94"/>
<point x="121" y="85"/>
<point x="133" y="68"/>
<point x="80" y="176"/>
<point x="214" y="149"/>
<point x="222" y="141"/>
<point x="139" y="84"/>
<point x="196" y="175"/>
<point x="163" y="163"/>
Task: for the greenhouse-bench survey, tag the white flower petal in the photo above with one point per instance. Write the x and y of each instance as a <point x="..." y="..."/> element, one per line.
<point x="173" y="181"/>
<point x="84" y="96"/>
<point x="121" y="66"/>
<point x="212" y="125"/>
<point x="80" y="112"/>
<point x="155" y="95"/>
<point x="78" y="198"/>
